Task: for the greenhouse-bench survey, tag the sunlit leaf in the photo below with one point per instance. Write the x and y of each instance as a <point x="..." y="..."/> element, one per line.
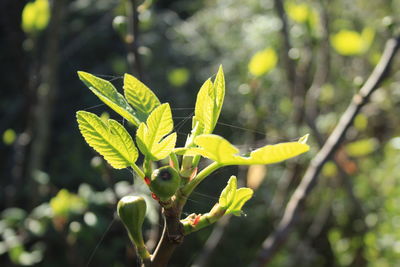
<point x="220" y="150"/>
<point x="35" y="16"/>
<point x="110" y="139"/>
<point x="216" y="148"/>
<point x="107" y="93"/>
<point x="142" y="99"/>
<point x="149" y="135"/>
<point x="218" y="93"/>
<point x="241" y="197"/>
<point x="233" y="199"/>
<point x="262" y="62"/>
<point x="209" y="103"/>
<point x="228" y="194"/>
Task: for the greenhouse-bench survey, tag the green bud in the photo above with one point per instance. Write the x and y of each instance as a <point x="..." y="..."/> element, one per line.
<point x="164" y="182"/>
<point x="132" y="210"/>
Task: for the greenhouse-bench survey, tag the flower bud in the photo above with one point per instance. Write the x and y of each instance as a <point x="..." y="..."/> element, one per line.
<point x="164" y="182"/>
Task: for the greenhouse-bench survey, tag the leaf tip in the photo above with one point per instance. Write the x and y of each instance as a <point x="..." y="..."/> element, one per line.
<point x="127" y="76"/>
<point x="80" y="113"/>
<point x="82" y="74"/>
<point x="304" y="139"/>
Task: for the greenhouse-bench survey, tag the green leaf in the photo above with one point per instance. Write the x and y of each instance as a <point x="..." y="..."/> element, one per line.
<point x="149" y="136"/>
<point x="233" y="199"/>
<point x="66" y="203"/>
<point x="228" y="194"/>
<point x="220" y="150"/>
<point x="203" y="112"/>
<point x="214" y="147"/>
<point x="209" y="103"/>
<point x="109" y="95"/>
<point x="143" y="100"/>
<point x="110" y="139"/>
<point x="241" y="197"/>
<point x="276" y="153"/>
<point x="219" y="91"/>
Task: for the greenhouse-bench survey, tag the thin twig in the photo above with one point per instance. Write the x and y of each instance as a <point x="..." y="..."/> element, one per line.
<point x="171" y="237"/>
<point x="132" y="39"/>
<point x="274" y="241"/>
<point x="290" y="64"/>
<point x="218" y="231"/>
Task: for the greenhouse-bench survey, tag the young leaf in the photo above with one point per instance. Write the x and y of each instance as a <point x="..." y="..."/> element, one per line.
<point x="275" y="153"/>
<point x="209" y="102"/>
<point x="149" y="136"/>
<point x="214" y="147"/>
<point x="109" y="95"/>
<point x="241" y="197"/>
<point x="220" y="150"/>
<point x="228" y="194"/>
<point x="219" y="91"/>
<point x="233" y="199"/>
<point x="203" y="112"/>
<point x="111" y="140"/>
<point x="143" y="100"/>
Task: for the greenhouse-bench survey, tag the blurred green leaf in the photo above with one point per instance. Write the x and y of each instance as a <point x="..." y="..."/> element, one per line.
<point x="13" y="216"/>
<point x="349" y="43"/>
<point x="262" y="62"/>
<point x="362" y="147"/>
<point x="178" y="77"/>
<point x="360" y="122"/>
<point x="66" y="203"/>
<point x="35" y="16"/>
<point x="329" y="169"/>
<point x="298" y="12"/>
<point x="9" y="137"/>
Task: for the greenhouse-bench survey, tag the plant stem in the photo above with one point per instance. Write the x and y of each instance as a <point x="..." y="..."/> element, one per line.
<point x="171" y="237"/>
<point x="205" y="220"/>
<point x="138" y="171"/>
<point x="132" y="39"/>
<point x="147" y="167"/>
<point x="188" y="189"/>
<point x="173" y="232"/>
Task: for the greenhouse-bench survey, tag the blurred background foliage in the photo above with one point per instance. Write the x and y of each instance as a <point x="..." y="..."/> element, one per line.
<point x="291" y="68"/>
